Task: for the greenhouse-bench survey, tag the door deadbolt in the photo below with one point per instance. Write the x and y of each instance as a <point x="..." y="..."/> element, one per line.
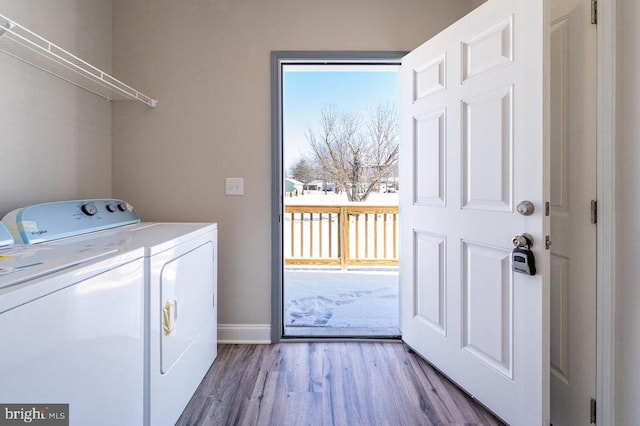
<point x="525" y="208"/>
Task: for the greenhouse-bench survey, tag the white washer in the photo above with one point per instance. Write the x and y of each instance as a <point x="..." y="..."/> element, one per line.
<point x="72" y="331"/>
<point x="180" y="276"/>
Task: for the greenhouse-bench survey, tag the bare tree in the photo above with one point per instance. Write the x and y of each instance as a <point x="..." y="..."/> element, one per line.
<point x="356" y="155"/>
<point x="303" y="171"/>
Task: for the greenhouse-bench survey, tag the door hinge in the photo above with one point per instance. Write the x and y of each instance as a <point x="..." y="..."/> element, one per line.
<point x="546" y="208"/>
<point x="594" y="211"/>
<point x="592" y="412"/>
<point x="594" y="12"/>
<point x="547" y="242"/>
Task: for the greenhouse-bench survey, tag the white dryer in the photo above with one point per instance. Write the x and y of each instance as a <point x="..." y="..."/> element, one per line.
<point x="181" y="263"/>
<point x="72" y="330"/>
<point x="180" y="306"/>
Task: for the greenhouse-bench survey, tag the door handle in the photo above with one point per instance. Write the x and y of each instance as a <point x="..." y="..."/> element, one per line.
<point x="523" y="240"/>
<point x="169" y="315"/>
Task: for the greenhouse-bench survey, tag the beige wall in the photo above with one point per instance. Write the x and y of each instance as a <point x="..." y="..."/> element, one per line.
<point x="628" y="216"/>
<point x="55" y="139"/>
<point x="208" y="63"/>
<point x="476" y="3"/>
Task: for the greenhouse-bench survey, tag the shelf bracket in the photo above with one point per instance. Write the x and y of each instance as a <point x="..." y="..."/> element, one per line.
<point x="6" y="27"/>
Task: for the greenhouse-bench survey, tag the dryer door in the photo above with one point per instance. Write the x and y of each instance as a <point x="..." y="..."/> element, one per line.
<point x="186" y="300"/>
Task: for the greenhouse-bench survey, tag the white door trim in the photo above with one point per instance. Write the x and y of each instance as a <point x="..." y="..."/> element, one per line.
<point x="606" y="183"/>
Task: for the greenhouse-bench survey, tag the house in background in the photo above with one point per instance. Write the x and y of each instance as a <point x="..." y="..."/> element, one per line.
<point x="292" y="186"/>
<point x="208" y="65"/>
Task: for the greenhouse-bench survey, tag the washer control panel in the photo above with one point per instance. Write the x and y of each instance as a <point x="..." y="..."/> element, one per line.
<point x="52" y="221"/>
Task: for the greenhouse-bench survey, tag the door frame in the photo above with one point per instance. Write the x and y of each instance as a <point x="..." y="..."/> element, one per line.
<point x="606" y="195"/>
<point x="278" y="59"/>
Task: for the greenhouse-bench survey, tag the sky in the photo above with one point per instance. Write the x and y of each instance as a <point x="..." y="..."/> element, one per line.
<point x="306" y="91"/>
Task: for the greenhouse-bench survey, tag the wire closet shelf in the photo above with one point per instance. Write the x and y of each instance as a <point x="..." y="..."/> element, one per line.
<point x="29" y="47"/>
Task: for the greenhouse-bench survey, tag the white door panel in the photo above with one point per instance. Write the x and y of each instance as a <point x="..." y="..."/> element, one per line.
<point x="473" y="146"/>
<point x="430" y="155"/>
<point x="430" y="306"/>
<point x="573" y="186"/>
<point x="487" y="146"/>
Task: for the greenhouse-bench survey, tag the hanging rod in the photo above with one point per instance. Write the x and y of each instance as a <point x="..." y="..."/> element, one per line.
<point x="25" y="45"/>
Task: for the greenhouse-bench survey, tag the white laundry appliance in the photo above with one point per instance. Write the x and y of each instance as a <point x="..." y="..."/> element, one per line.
<point x="181" y="263"/>
<point x="72" y="330"/>
<point x="180" y="306"/>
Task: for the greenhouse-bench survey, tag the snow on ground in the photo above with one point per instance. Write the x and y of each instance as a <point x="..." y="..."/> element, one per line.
<point x="341" y="298"/>
<point x="331" y="198"/>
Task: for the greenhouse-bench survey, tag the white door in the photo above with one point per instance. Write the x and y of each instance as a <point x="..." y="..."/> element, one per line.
<point x="474" y="145"/>
<point x="573" y="186"/>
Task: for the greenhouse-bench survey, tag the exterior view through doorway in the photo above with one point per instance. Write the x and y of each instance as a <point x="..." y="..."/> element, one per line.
<point x="336" y="155"/>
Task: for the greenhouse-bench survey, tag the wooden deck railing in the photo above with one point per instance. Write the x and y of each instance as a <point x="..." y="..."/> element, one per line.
<point x="341" y="235"/>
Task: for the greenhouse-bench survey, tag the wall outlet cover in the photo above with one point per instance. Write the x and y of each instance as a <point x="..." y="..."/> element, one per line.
<point x="234" y="186"/>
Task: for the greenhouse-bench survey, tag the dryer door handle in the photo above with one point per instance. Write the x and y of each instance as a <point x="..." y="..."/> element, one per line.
<point x="169" y="316"/>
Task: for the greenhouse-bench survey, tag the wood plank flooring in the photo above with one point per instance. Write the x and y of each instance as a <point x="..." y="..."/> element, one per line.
<point x="328" y="384"/>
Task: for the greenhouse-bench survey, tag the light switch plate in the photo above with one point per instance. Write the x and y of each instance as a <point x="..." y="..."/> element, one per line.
<point x="234" y="186"/>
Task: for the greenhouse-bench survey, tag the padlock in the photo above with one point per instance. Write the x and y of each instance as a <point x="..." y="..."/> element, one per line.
<point x="523" y="261"/>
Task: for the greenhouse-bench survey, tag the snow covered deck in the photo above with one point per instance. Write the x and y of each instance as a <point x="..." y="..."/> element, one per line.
<point x="341" y="303"/>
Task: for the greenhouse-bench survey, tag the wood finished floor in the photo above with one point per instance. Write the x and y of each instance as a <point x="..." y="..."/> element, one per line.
<point x="328" y="384"/>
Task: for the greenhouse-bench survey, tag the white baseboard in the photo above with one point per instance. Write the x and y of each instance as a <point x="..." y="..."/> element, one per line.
<point x="244" y="333"/>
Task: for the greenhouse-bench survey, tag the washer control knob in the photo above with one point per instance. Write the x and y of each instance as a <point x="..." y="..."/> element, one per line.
<point x="89" y="209"/>
<point x="112" y="207"/>
<point x="122" y="207"/>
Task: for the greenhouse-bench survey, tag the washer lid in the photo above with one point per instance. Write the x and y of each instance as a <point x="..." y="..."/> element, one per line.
<point x="20" y="263"/>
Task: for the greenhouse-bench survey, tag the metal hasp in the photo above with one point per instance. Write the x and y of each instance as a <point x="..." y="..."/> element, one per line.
<point x="525" y="208"/>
